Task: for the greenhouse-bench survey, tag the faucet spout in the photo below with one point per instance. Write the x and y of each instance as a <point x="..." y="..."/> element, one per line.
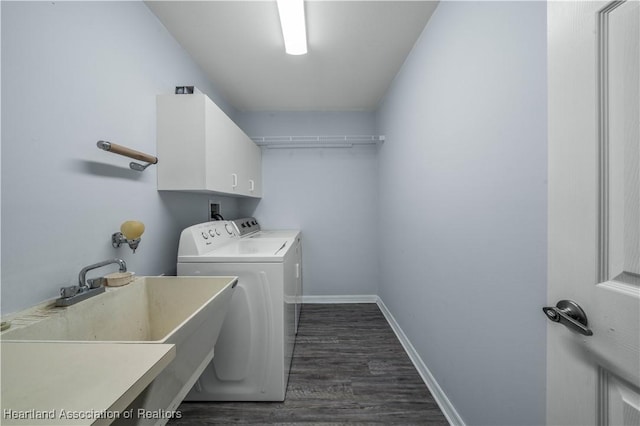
<point x="82" y="277"/>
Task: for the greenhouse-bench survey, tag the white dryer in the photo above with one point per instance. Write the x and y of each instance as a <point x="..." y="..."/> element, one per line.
<point x="249" y="228"/>
<point x="252" y="356"/>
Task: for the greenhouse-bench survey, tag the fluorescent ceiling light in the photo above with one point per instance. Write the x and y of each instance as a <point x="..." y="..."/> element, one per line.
<point x="294" y="29"/>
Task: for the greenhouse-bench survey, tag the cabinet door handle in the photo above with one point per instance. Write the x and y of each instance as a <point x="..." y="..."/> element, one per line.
<point x="235" y="180"/>
<point x="251" y="185"/>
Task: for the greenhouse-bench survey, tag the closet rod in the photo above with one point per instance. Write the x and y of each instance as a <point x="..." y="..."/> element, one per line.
<point x="317" y="141"/>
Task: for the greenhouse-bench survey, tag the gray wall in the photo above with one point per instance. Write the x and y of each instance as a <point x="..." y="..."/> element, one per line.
<point x="74" y="73"/>
<point x="330" y="194"/>
<point x="464" y="167"/>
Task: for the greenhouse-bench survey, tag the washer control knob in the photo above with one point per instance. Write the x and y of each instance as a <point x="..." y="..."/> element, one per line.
<point x="212" y="233"/>
<point x="228" y="228"/>
<point x="217" y="232"/>
<point x="204" y="235"/>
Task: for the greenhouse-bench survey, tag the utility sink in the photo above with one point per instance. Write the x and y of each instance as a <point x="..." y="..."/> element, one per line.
<point x="184" y="311"/>
<point x="150" y="309"/>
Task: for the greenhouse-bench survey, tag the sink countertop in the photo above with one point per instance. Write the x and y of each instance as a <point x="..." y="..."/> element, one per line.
<point x="50" y="383"/>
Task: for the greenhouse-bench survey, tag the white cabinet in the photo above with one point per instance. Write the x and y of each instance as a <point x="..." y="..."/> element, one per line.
<point x="200" y="149"/>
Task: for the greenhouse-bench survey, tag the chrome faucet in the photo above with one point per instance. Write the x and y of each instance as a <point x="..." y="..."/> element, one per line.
<point x="87" y="288"/>
<point x="92" y="283"/>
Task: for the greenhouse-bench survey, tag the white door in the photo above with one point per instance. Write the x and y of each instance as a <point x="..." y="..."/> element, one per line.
<point x="594" y="212"/>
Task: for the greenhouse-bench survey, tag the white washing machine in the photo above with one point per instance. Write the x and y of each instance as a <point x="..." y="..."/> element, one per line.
<point x="252" y="356"/>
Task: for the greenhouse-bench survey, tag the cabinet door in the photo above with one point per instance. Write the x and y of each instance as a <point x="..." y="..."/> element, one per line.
<point x="240" y="153"/>
<point x="254" y="160"/>
<point x="247" y="165"/>
<point x="219" y="147"/>
<point x="180" y="148"/>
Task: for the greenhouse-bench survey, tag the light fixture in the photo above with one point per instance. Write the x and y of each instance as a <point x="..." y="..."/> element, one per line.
<point x="293" y="25"/>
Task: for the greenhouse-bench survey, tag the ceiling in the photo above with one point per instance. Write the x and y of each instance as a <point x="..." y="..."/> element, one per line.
<point x="355" y="50"/>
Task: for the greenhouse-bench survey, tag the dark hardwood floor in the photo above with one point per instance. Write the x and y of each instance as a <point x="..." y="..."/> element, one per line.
<point x="348" y="367"/>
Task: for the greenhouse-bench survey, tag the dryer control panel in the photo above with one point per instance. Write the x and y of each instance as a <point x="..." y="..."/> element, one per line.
<point x="202" y="238"/>
<point x="247" y="225"/>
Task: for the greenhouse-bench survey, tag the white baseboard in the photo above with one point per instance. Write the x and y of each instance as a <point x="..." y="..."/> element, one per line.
<point x="444" y="403"/>
<point x="362" y="298"/>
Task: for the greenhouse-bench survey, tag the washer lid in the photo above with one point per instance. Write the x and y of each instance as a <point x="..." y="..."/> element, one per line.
<point x="245" y="250"/>
<point x="280" y="233"/>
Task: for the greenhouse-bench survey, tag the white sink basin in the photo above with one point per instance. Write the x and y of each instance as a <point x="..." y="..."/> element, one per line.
<point x="185" y="311"/>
